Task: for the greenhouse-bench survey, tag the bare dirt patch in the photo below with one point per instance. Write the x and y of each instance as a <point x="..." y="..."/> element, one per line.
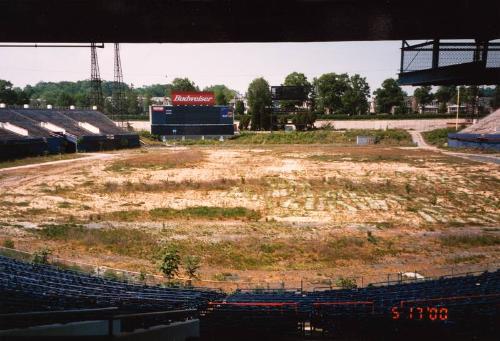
<point x="274" y="213"/>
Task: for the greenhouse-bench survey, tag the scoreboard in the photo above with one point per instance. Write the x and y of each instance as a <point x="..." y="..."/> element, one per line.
<point x="191" y="120"/>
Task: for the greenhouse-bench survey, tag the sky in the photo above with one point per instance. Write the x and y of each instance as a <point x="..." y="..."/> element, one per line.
<point x="235" y="65"/>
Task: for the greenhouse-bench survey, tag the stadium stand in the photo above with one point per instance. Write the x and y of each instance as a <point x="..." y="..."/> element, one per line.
<point x="485" y="134"/>
<point x="458" y="308"/>
<point x="463" y="307"/>
<point x="40" y="293"/>
<point x="29" y="132"/>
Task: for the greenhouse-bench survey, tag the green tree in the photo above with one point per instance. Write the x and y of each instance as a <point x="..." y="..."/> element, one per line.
<point x="329" y="89"/>
<point x="259" y="101"/>
<point x="240" y="108"/>
<point x="154" y="90"/>
<point x="170" y="262"/>
<point x="495" y="101"/>
<point x="389" y="96"/>
<point x="183" y="84"/>
<point x="132" y="104"/>
<point x="64" y="100"/>
<point x="296" y="79"/>
<point x="7" y="93"/>
<point x="244" y="122"/>
<point x="444" y="95"/>
<point x="191" y="265"/>
<point x="355" y="98"/>
<point x="222" y="93"/>
<point x="424" y="96"/>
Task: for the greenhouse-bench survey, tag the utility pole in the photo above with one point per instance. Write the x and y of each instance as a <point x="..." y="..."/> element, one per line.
<point x="118" y="98"/>
<point x="458" y="109"/>
<point x="96" y="98"/>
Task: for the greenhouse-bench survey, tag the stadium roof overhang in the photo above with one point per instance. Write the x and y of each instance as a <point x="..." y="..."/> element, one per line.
<point x="208" y="21"/>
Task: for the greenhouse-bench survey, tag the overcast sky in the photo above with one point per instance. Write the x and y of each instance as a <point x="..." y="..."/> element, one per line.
<point x="232" y="64"/>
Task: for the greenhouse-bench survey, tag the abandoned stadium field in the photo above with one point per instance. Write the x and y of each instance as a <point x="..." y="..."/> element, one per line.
<point x="261" y="213"/>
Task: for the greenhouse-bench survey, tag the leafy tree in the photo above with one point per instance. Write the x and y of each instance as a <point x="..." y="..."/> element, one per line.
<point x="7" y="93"/>
<point x="389" y="95"/>
<point x="183" y="84"/>
<point x="222" y="93"/>
<point x="444" y="95"/>
<point x="64" y="100"/>
<point x="355" y="98"/>
<point x="170" y="262"/>
<point x="192" y="264"/>
<point x="154" y="90"/>
<point x="244" y="122"/>
<point x="495" y="101"/>
<point x="329" y="89"/>
<point x="259" y="100"/>
<point x="424" y="96"/>
<point x="304" y="120"/>
<point x="132" y="105"/>
<point x="240" y="108"/>
<point x="296" y="79"/>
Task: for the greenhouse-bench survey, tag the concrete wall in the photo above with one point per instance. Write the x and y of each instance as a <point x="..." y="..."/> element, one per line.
<point x="177" y="331"/>
<point x="138" y="125"/>
<point x="86" y="328"/>
<point x="420" y="125"/>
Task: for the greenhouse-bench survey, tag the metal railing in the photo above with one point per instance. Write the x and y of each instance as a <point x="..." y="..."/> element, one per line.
<point x="304" y="284"/>
<point x="434" y="54"/>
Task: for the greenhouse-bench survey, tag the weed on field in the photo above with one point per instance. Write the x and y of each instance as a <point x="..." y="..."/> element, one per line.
<point x="157" y="161"/>
<point x="198" y="212"/>
<point x="467" y="240"/>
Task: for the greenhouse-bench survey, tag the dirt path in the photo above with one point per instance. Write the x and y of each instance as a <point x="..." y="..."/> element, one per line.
<point x="419" y="140"/>
<point x="92" y="156"/>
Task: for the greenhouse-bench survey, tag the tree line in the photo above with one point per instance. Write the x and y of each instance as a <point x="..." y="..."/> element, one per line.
<point x="330" y="94"/>
<point x="137" y="100"/>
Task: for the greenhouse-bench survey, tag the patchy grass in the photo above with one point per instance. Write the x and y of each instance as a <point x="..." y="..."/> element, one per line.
<point x="466" y="259"/>
<point x="197" y="212"/>
<point x="469" y="240"/>
<point x="257" y="254"/>
<point x="4" y="203"/>
<point x="157" y="161"/>
<point x="438" y="137"/>
<point x="123" y="241"/>
<point x="384" y="137"/>
<point x="38" y="159"/>
<point x="170" y="186"/>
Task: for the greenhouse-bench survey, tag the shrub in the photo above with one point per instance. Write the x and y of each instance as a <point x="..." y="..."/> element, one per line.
<point x="192" y="265"/>
<point x="8" y="243"/>
<point x="42" y="256"/>
<point x="244" y="122"/>
<point x="346" y="283"/>
<point x="170" y="263"/>
<point x="438" y="137"/>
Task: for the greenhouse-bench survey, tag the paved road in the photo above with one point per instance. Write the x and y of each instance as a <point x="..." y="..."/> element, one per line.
<point x="418" y="139"/>
<point x="89" y="157"/>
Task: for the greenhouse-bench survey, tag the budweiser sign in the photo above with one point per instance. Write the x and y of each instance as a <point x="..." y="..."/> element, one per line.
<point x="193" y="98"/>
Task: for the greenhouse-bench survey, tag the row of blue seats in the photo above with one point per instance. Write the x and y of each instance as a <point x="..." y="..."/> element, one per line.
<point x="46" y="287"/>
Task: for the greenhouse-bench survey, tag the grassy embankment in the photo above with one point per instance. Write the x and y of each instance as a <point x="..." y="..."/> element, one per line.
<point x="391" y="137"/>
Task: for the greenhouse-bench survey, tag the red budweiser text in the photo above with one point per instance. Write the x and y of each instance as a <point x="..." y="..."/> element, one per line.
<point x="193" y="98"/>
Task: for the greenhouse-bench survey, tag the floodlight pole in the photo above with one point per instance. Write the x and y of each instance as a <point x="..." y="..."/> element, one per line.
<point x="458" y="109"/>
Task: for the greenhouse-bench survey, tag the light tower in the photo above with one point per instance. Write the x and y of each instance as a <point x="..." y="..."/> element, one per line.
<point x="96" y="98"/>
<point x="118" y="87"/>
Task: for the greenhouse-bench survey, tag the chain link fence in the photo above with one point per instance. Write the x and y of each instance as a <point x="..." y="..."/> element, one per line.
<point x="422" y="56"/>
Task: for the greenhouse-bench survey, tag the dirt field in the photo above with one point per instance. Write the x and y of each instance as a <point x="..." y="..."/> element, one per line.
<point x="261" y="214"/>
